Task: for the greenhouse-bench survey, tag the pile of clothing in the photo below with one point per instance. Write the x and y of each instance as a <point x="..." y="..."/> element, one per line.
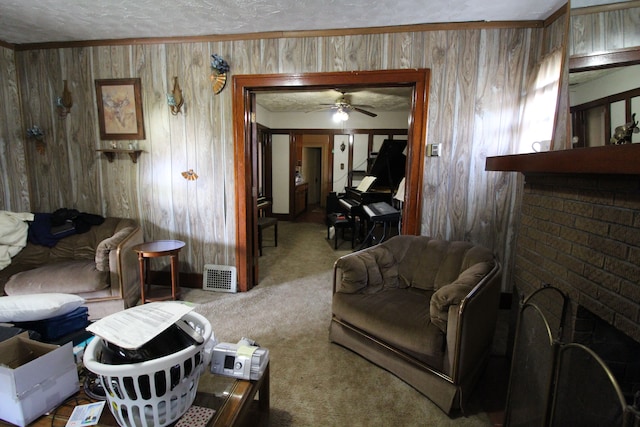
<point x="46" y="229"/>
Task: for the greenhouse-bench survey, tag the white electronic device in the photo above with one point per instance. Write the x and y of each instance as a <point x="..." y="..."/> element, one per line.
<point x="242" y="360"/>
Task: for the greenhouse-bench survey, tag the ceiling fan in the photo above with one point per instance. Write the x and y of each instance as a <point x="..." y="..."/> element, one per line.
<point x="343" y="107"/>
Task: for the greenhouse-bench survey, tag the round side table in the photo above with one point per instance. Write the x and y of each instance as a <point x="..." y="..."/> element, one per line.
<point x="159" y="248"/>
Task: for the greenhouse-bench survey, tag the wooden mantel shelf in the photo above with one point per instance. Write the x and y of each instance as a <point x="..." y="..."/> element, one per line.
<point x="610" y="159"/>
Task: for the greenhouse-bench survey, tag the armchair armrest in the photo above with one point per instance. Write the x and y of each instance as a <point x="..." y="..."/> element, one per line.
<point x="111" y="243"/>
<point x="114" y="255"/>
<point x="123" y="265"/>
<point x="472" y="326"/>
<point x="349" y="274"/>
<point x="455" y="292"/>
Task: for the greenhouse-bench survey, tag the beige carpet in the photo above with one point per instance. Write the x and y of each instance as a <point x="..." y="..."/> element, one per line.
<point x="314" y="382"/>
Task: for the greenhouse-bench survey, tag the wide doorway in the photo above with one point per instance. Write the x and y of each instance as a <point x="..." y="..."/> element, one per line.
<point x="246" y="142"/>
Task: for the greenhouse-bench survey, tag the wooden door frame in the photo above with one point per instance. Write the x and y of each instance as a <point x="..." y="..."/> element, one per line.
<point x="244" y="123"/>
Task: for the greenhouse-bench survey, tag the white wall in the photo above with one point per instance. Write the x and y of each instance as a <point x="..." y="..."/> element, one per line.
<point x="280" y="167"/>
<point x="620" y="80"/>
<point x="360" y="154"/>
<point x="340" y="163"/>
<point x="617" y="81"/>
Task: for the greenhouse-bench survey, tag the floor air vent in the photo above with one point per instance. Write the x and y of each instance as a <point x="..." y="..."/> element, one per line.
<point x="220" y="278"/>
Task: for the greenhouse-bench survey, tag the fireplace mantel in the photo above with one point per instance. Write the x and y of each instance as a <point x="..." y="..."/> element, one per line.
<point x="610" y="159"/>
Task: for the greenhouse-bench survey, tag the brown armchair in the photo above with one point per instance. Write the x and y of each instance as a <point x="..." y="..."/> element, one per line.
<point x="424" y="309"/>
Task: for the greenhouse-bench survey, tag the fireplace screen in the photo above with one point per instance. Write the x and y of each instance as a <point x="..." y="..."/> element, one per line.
<point x="586" y="394"/>
<point x="557" y="384"/>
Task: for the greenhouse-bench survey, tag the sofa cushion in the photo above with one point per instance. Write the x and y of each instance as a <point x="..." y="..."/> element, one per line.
<point x="72" y="277"/>
<point x="32" y="255"/>
<point x="429" y="264"/>
<point x="83" y="246"/>
<point x="399" y="317"/>
<point x="414" y="269"/>
<point x="454" y="292"/>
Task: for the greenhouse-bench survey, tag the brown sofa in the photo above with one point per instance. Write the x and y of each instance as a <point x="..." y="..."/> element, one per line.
<point x="423" y="309"/>
<point x="98" y="265"/>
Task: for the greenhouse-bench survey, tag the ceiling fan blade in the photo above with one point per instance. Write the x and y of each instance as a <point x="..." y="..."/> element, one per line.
<point x="368" y="113"/>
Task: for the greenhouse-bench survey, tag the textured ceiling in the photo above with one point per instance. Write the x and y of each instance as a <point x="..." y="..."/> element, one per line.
<point x="371" y="99"/>
<point x="37" y="21"/>
<point x="41" y="21"/>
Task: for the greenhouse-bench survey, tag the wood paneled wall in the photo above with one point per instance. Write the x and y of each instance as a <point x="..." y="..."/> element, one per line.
<point x="600" y="29"/>
<point x="594" y="30"/>
<point x="474" y="107"/>
<point x="14" y="185"/>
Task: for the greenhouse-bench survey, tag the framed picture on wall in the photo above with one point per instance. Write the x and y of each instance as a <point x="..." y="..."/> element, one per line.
<point x="120" y="108"/>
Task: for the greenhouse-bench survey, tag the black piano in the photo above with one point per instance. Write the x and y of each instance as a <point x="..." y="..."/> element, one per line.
<point x="388" y="168"/>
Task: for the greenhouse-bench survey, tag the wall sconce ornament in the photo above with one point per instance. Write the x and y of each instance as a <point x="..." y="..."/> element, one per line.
<point x="190" y="175"/>
<point x="64" y="102"/>
<point x="219" y="69"/>
<point x="37" y="134"/>
<point x="174" y="98"/>
<point x="622" y="134"/>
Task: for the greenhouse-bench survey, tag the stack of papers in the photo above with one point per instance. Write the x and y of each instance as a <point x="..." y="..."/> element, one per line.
<point x="134" y="327"/>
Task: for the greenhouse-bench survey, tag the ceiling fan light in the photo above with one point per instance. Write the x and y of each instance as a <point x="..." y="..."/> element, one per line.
<point x="340" y="116"/>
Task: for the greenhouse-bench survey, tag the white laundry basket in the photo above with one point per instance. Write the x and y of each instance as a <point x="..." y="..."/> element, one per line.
<point x="156" y="392"/>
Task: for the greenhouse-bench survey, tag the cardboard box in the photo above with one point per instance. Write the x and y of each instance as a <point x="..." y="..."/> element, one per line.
<point x="35" y="378"/>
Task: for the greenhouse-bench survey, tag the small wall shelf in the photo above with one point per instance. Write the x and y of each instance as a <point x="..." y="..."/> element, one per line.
<point x="111" y="152"/>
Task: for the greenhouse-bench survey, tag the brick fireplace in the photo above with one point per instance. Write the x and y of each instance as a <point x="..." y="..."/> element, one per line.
<point x="580" y="232"/>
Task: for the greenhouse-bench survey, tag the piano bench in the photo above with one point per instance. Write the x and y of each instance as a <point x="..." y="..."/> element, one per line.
<point x="266" y="222"/>
<point x="341" y="221"/>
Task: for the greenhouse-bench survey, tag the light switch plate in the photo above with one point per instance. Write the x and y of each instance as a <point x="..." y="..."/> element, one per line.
<point x="433" y="150"/>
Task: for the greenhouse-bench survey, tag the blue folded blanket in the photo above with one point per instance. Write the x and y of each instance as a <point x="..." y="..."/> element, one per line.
<point x="46" y="229"/>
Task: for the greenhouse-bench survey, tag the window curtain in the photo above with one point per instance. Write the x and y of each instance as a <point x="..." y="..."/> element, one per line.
<point x="541" y="99"/>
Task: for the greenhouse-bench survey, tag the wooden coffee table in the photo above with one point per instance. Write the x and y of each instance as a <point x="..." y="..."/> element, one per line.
<point x="237" y="403"/>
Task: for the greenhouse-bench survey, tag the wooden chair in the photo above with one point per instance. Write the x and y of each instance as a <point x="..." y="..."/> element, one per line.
<point x="266" y="222"/>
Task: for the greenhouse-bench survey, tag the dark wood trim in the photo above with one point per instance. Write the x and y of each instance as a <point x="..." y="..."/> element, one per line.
<point x="605" y="8"/>
<point x="556" y="15"/>
<point x="244" y="88"/>
<point x="295" y="144"/>
<point x="7" y="45"/>
<point x="446" y="26"/>
<point x="347" y="131"/>
<point x="610" y="159"/>
<point x="614" y="58"/>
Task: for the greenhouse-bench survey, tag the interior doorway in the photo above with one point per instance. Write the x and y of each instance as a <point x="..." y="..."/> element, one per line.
<point x="312" y="167"/>
<point x="245" y="136"/>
